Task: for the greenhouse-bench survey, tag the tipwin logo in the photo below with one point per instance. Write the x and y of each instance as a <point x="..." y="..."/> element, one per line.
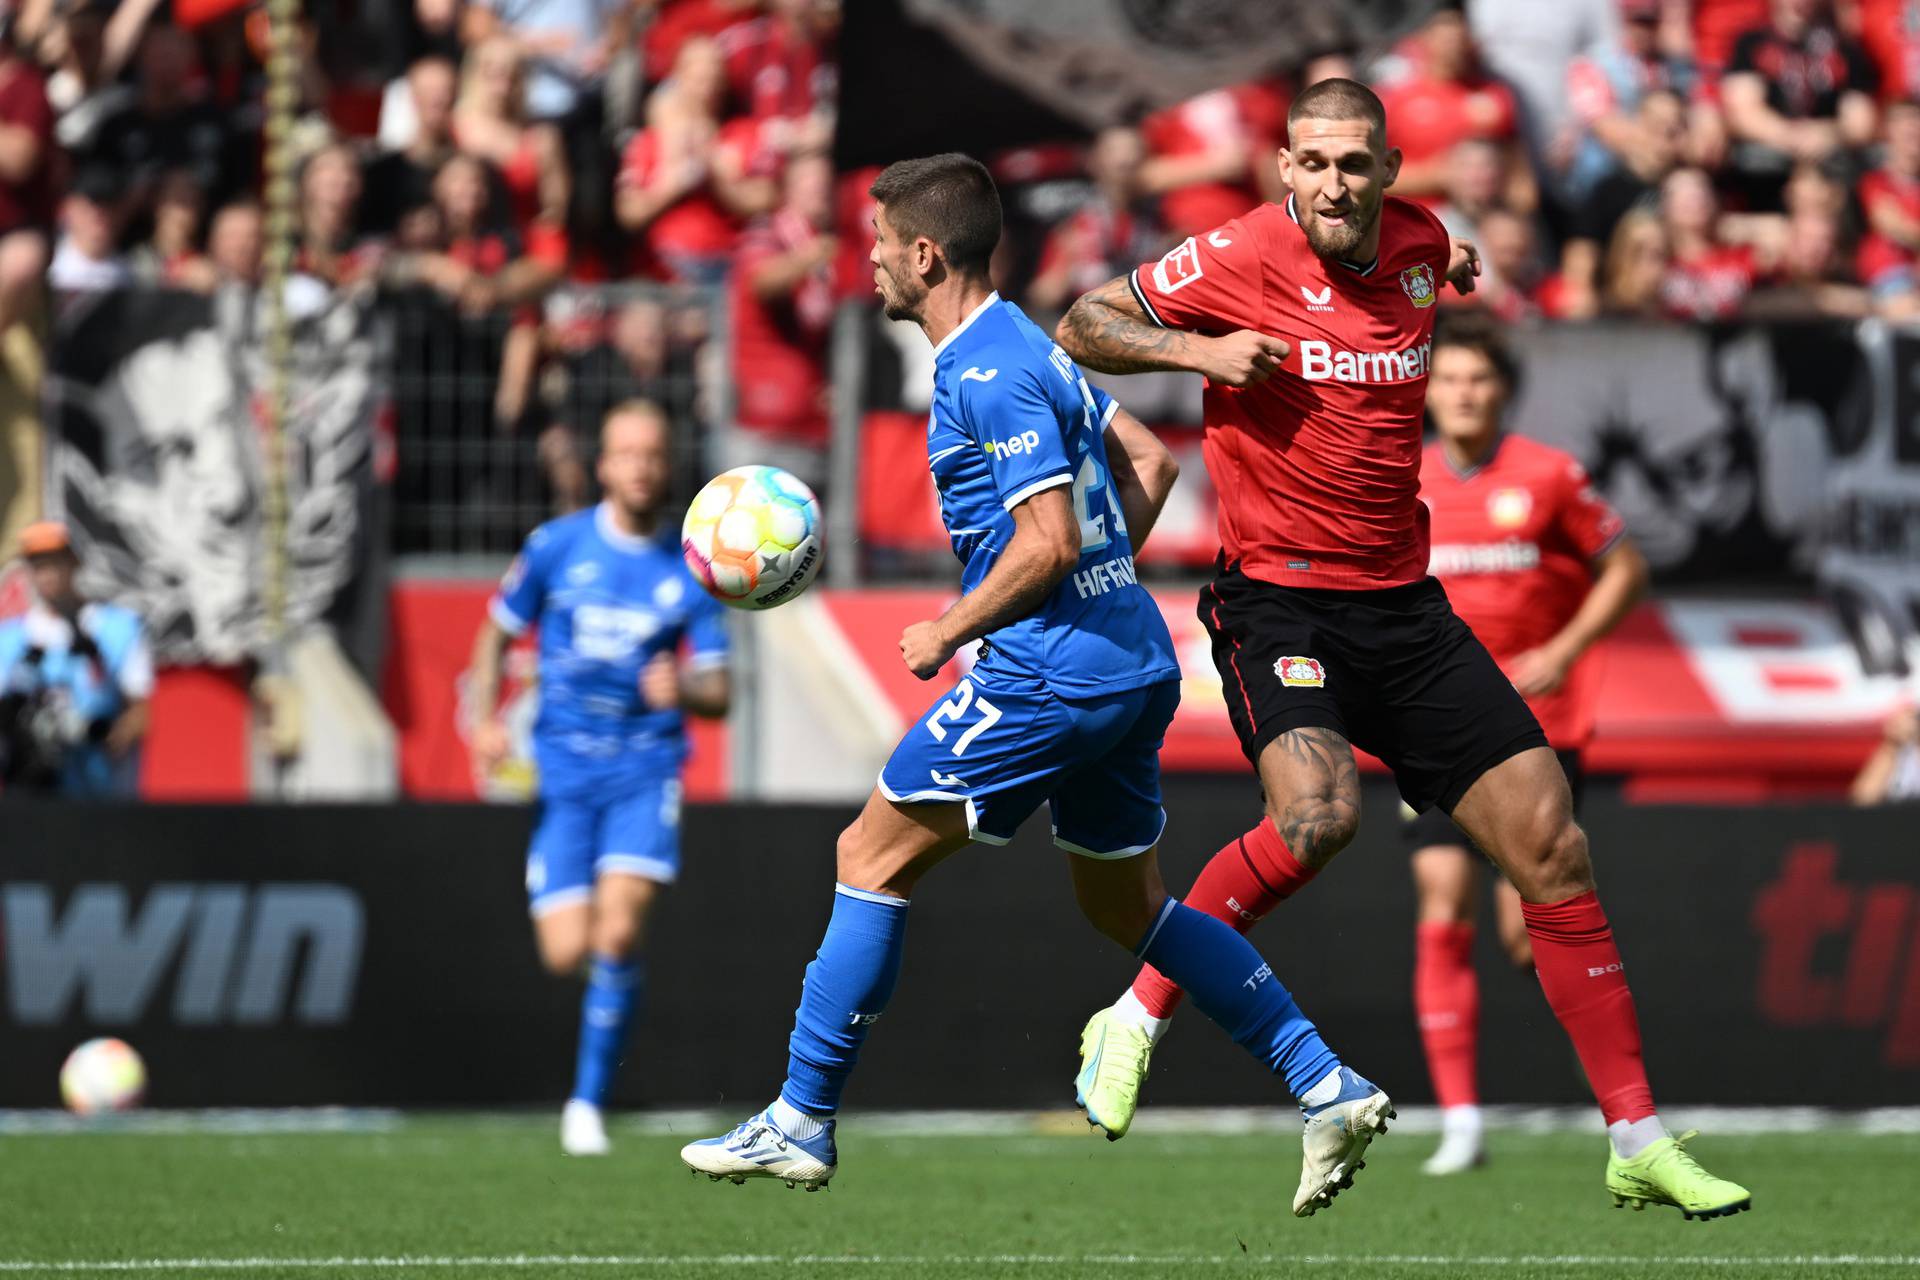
<point x="1321" y="301"/>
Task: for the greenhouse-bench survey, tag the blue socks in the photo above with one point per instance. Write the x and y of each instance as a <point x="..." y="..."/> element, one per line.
<point x="1232" y="985"/>
<point x="613" y="993"/>
<point x="847" y="987"/>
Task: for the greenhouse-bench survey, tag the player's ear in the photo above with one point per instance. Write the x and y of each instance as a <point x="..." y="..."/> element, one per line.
<point x="1283" y="161"/>
<point x="1390" y="167"/>
<point x="924" y="255"/>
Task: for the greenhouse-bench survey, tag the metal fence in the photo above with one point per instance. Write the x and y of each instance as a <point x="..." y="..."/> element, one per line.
<point x="496" y="416"/>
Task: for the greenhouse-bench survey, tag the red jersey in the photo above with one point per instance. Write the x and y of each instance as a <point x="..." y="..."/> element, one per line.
<point x="1317" y="468"/>
<point x="1710" y="286"/>
<point x="780" y="345"/>
<point x="1514" y="541"/>
<point x="1431" y="116"/>
<point x="1878" y="256"/>
<point x="1252" y="115"/>
<point x="696" y="225"/>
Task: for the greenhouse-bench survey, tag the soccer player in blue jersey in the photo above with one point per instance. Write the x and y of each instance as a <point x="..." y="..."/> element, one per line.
<point x="1046" y="487"/>
<point x="629" y="646"/>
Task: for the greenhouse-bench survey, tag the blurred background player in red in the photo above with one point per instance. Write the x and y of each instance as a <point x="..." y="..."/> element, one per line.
<point x="1540" y="568"/>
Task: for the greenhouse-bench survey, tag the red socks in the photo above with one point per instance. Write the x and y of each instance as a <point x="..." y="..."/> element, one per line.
<point x="1580" y="971"/>
<point x="1446" y="996"/>
<point x="1239" y="885"/>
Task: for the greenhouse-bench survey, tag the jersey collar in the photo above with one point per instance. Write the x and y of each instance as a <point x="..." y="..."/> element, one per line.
<point x="962" y="327"/>
<point x="1468" y="473"/>
<point x="1358" y="268"/>
<point x="614" y="536"/>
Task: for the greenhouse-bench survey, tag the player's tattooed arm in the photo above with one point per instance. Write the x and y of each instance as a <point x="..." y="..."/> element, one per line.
<point x="1108" y="330"/>
<point x="1313" y="792"/>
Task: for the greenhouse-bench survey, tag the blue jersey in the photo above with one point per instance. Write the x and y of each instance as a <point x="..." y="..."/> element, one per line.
<point x="606" y="604"/>
<point x="1013" y="416"/>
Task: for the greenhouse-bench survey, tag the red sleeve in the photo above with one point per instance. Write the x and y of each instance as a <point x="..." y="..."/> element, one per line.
<point x="547" y="243"/>
<point x="1213" y="283"/>
<point x="1584" y="517"/>
<point x="1588" y="91"/>
<point x="638" y="160"/>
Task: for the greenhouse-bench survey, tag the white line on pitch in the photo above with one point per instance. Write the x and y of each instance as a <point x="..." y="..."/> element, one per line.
<point x="1042" y="1260"/>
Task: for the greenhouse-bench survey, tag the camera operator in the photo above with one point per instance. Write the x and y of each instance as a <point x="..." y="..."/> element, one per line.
<point x="75" y="676"/>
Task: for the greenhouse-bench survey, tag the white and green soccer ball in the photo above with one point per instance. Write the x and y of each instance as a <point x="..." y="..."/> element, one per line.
<point x="103" y="1075"/>
<point x="752" y="537"/>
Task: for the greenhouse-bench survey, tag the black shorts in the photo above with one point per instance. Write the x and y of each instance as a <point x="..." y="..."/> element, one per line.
<point x="1393" y="671"/>
<point x="1434" y="827"/>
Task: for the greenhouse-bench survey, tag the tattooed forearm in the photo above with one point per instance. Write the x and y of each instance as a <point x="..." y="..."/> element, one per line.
<point x="1313" y="793"/>
<point x="1107" y="331"/>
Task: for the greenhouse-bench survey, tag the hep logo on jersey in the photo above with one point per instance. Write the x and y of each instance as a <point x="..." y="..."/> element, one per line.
<point x="1025" y="442"/>
<point x="1300" y="673"/>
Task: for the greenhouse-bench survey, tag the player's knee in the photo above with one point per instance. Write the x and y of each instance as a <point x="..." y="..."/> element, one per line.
<point x="563" y="958"/>
<point x="1124" y="919"/>
<point x="616" y="939"/>
<point x="1315" y="828"/>
<point x="1563" y="867"/>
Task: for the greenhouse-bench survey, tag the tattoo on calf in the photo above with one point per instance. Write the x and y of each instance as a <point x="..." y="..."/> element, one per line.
<point x="1322" y="809"/>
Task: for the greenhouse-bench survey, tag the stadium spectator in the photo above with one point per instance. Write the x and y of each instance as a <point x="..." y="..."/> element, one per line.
<point x="1718" y="24"/>
<point x="567" y="43"/>
<point x="779" y="65"/>
<point x="1707" y="278"/>
<point x="1635" y="267"/>
<point x="1890" y="34"/>
<point x="236" y="244"/>
<point x="26" y="191"/>
<point x="1530" y="46"/>
<point x="1475" y="186"/>
<point x="75" y="679"/>
<point x="1442" y="96"/>
<point x="783" y="303"/>
<point x="1606" y="89"/>
<point x="687" y="181"/>
<point x="417" y="129"/>
<point x="1512" y="276"/>
<point x="1890" y="200"/>
<point x="1892" y="772"/>
<point x="85" y="47"/>
<point x="1211" y="157"/>
<point x="167" y="126"/>
<point x="1796" y="89"/>
<point x="330" y="248"/>
<point x="637" y="356"/>
<point x="490" y="121"/>
<point x="1108" y="234"/>
<point x="87" y="258"/>
<point x="1660" y="132"/>
<point x="171" y="253"/>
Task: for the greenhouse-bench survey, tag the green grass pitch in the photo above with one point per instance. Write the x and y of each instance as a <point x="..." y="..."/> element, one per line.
<point x="493" y="1197"/>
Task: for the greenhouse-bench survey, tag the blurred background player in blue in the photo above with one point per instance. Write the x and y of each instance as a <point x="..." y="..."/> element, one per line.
<point x="629" y="646"/>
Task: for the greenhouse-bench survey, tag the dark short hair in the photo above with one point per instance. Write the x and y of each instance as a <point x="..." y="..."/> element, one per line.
<point x="950" y="199"/>
<point x="1477" y="333"/>
<point x="1338" y="99"/>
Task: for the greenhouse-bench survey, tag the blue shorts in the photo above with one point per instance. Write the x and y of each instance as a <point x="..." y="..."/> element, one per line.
<point x="579" y="838"/>
<point x="1002" y="748"/>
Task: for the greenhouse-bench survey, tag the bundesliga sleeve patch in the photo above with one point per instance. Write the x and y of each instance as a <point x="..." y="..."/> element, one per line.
<point x="1300" y="673"/>
<point x="1179" y="268"/>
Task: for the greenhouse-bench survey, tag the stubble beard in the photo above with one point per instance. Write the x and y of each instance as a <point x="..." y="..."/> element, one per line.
<point x="897" y="302"/>
<point x="1336" y="241"/>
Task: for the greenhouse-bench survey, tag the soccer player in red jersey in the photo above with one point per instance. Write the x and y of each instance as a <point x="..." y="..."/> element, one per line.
<point x="1540" y="567"/>
<point x="1312" y="322"/>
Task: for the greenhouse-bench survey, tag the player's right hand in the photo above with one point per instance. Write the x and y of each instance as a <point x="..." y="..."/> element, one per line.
<point x="1244" y="357"/>
<point x="490" y="743"/>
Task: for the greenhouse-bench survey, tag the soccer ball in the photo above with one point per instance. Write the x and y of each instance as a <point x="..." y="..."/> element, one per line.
<point x="103" y="1075"/>
<point x="752" y="537"/>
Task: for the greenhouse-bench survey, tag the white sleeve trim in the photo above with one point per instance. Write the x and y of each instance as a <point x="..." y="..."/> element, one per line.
<point x="505" y="618"/>
<point x="1140" y="295"/>
<point x="1106" y="416"/>
<point x="708" y="659"/>
<point x="135" y="676"/>
<point x="1051" y="482"/>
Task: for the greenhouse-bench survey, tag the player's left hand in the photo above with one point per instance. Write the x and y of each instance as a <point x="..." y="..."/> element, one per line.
<point x="1539" y="671"/>
<point x="660" y="683"/>
<point x="925" y="649"/>
<point x="1463" y="266"/>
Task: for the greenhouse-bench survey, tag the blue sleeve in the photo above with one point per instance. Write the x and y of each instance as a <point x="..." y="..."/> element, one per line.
<point x="516" y="605"/>
<point x="1020" y="429"/>
<point x="1104" y="407"/>
<point x="708" y="643"/>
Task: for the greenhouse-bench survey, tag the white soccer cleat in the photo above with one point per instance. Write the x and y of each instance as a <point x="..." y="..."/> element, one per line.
<point x="583" y="1131"/>
<point x="1458" y="1152"/>
<point x="1336" y="1136"/>
<point x="759" y="1148"/>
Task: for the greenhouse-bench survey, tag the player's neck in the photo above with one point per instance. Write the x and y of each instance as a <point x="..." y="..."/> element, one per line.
<point x="949" y="305"/>
<point x="631" y="523"/>
<point x="1468" y="452"/>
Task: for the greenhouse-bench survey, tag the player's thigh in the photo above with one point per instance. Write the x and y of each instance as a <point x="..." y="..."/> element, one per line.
<point x="994" y="750"/>
<point x="639" y="830"/>
<point x="1281" y="665"/>
<point x="1443" y="713"/>
<point x="1107" y="803"/>
<point x="1446" y="883"/>
<point x="1521" y="812"/>
<point x="894" y="842"/>
<point x="560" y="879"/>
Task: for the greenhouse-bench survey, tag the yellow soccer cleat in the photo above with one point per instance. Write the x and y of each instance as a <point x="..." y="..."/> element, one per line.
<point x="1113" y="1065"/>
<point x="1665" y="1174"/>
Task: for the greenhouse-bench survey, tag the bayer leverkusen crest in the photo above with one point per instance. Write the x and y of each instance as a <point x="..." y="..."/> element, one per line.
<point x="1298" y="673"/>
<point x="1418" y="282"/>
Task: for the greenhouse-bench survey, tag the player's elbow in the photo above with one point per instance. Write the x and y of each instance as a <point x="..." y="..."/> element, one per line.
<point x="1634" y="570"/>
